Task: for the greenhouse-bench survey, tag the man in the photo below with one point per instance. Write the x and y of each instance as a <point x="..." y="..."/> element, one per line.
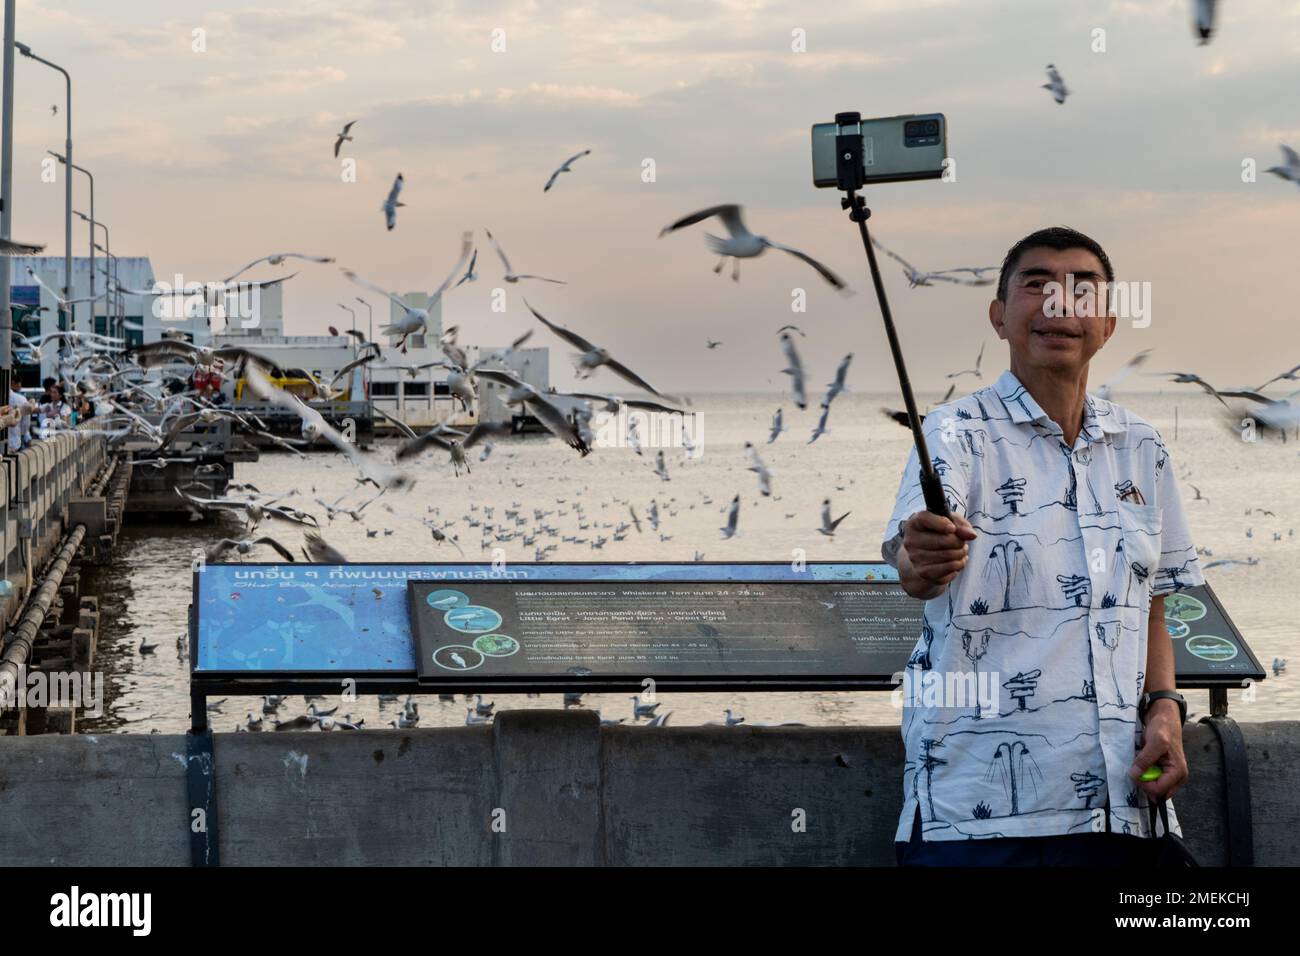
<point x="20" y="428"/>
<point x="1044" y="595"/>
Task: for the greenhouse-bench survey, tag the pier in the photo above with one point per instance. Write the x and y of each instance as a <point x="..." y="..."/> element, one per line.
<point x="63" y="502"/>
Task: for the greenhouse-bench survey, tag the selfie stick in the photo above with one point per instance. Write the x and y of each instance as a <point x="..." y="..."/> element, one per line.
<point x="851" y="176"/>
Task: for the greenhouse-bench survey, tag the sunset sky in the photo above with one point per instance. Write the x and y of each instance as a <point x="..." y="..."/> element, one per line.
<point x="205" y="160"/>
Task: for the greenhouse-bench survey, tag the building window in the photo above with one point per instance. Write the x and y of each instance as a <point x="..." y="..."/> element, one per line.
<point x="416" y="389"/>
<point x="415" y="341"/>
<point x="383" y="389"/>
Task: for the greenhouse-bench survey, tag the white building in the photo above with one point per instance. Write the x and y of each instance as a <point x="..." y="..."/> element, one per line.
<point x="36" y="312"/>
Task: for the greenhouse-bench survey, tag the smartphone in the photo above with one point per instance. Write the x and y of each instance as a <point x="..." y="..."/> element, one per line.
<point x="895" y="149"/>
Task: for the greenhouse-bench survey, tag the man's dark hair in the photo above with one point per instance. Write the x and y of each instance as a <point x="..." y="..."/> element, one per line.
<point x="48" y="382"/>
<point x="1053" y="237"/>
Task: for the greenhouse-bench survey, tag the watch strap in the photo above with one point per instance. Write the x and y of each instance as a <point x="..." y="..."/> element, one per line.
<point x="1173" y="695"/>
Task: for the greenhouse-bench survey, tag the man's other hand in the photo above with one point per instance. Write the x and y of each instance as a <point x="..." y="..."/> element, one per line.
<point x="934" y="552"/>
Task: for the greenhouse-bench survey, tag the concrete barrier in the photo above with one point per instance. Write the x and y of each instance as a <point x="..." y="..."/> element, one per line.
<point x="36" y="486"/>
<point x="537" y="787"/>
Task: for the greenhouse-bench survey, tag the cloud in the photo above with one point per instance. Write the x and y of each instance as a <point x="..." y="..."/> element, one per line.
<point x="271" y="83"/>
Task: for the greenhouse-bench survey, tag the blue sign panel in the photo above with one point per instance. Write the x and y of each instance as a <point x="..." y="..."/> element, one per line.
<point x="354" y="619"/>
<point x="25" y="295"/>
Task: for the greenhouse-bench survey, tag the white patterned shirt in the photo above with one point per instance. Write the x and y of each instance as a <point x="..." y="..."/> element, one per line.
<point x="1020" y="699"/>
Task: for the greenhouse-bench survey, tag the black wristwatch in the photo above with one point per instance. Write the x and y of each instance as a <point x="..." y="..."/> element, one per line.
<point x="1144" y="702"/>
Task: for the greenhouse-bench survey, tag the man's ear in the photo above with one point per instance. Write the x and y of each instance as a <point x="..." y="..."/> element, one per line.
<point x="1111" y="322"/>
<point x="996" y="308"/>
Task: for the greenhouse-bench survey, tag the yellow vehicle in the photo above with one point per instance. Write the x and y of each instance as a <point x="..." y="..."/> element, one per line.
<point x="295" y="381"/>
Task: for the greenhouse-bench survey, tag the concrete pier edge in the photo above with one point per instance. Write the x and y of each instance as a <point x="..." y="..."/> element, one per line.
<point x="538" y="787"/>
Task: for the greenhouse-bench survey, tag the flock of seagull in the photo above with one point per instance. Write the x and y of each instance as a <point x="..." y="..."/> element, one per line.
<point x="479" y="713"/>
<point x="138" y="387"/>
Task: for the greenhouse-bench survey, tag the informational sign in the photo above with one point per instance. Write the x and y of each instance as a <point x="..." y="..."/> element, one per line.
<point x="725" y="623"/>
<point x="253" y="619"/>
<point x="1208" y="649"/>
<point x="690" y="629"/>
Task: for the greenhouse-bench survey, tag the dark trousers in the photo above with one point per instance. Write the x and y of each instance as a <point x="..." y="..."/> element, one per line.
<point x="1072" y="849"/>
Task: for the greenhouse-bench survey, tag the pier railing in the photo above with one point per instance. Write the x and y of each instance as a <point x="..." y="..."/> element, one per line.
<point x="36" y="486"/>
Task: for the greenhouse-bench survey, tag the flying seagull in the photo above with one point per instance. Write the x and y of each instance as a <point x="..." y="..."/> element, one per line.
<point x="1107" y="388"/>
<point x="777" y="427"/>
<point x="971" y="371"/>
<point x="319" y="551"/>
<point x="539" y="405"/>
<point x="743" y="244"/>
<point x="593" y="357"/>
<point x="564" y="168"/>
<point x="314" y="426"/>
<point x="246" y="546"/>
<point x="1290" y="375"/>
<point x="661" y="467"/>
<point x="756" y="465"/>
<point x="1205" y="14"/>
<point x="1191" y="378"/>
<point x="1291" y="170"/>
<point x="12" y="247"/>
<point x="413" y="319"/>
<point x="277" y="259"/>
<point x="453" y="441"/>
<point x="733" y="515"/>
<point x="510" y="275"/>
<point x="345" y="138"/>
<point x="1055" y="85"/>
<point x="63" y="303"/>
<point x="828" y="526"/>
<point x="794" y="368"/>
<point x="470" y="275"/>
<point x="391" y="203"/>
<point x="916" y="277"/>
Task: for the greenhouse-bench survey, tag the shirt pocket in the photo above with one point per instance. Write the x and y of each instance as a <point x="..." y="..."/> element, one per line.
<point x="1140" y="527"/>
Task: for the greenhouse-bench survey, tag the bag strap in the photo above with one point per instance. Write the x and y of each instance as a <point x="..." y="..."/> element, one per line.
<point x="1154" y="807"/>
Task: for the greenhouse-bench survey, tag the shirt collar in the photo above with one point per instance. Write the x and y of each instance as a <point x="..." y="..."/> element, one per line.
<point x="1098" y="414"/>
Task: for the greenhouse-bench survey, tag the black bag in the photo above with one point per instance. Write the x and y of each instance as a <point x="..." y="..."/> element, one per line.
<point x="1167" y="849"/>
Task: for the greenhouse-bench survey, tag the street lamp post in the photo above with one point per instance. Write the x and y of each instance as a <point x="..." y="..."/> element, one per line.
<point x="110" y="281"/>
<point x="72" y="166"/>
<point x="6" y="194"/>
<point x="117" y="300"/>
<point x="370" y="335"/>
<point x="353" y="313"/>
<point x="370" y="331"/>
<point x="26" y="51"/>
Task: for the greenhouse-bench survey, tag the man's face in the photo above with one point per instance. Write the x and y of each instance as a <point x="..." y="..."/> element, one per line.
<point x="1058" y="332"/>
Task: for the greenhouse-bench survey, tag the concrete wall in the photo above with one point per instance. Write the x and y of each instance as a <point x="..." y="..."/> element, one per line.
<point x="573" y="792"/>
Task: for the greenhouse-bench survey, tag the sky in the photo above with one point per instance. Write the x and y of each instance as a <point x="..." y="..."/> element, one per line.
<point x="205" y="159"/>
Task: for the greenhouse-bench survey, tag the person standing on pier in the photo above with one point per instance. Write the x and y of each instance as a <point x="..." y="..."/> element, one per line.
<point x="1045" y="591"/>
<point x="20" y="431"/>
<point x="56" y="413"/>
